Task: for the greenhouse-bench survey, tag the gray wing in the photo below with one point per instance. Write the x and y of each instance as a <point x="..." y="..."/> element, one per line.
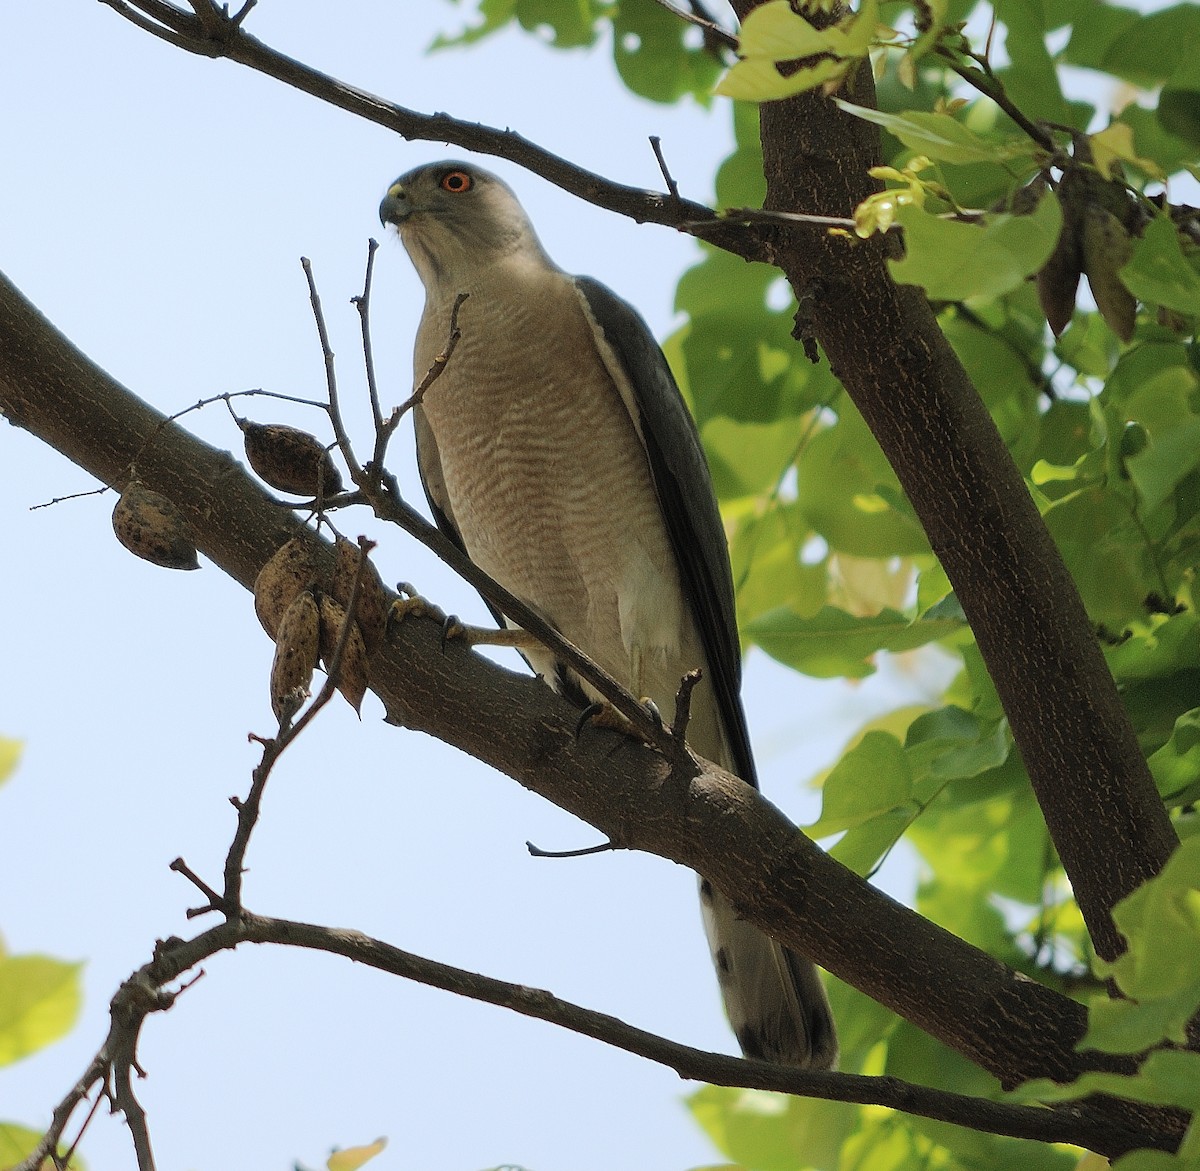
<point x="685" y="494"/>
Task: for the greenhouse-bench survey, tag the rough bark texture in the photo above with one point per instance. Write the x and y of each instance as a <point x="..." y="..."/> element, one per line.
<point x="1104" y="814"/>
<point x="1013" y="1027"/>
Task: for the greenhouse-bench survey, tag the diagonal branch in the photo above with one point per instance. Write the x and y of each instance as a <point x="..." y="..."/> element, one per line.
<point x="142" y="994"/>
<point x="715" y="824"/>
<point x="1102" y="809"/>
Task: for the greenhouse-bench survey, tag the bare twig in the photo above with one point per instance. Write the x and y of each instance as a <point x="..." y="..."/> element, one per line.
<point x="582" y="852"/>
<point x="683" y="712"/>
<point x="668" y="178"/>
<point x="761" y="215"/>
<point x="215" y="901"/>
<point x="698" y="16"/>
<point x="363" y="304"/>
<point x="335" y="414"/>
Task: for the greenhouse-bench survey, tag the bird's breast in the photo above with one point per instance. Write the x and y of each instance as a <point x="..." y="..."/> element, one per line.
<point x="548" y="480"/>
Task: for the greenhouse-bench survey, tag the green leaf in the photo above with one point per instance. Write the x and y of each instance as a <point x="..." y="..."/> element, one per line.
<point x="957" y="262"/>
<point x="872" y="778"/>
<point x="758" y="80"/>
<point x="765" y="551"/>
<point x="351" y="1158"/>
<point x="863" y="846"/>
<point x="774" y="31"/>
<point x="654" y="57"/>
<point x="570" y="23"/>
<point x="1160" y="273"/>
<point x="846" y="489"/>
<point x="17" y="1143"/>
<point x="954" y="744"/>
<point x="766" y="1131"/>
<point x="39" y="1002"/>
<point x="942" y="137"/>
<point x="10" y="755"/>
<point x="1107" y="557"/>
<point x="1031" y="81"/>
<point x="1157" y="972"/>
<point x="1162" y="407"/>
<point x="833" y="642"/>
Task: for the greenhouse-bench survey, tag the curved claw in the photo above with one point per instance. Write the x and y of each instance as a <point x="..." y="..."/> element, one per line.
<point x="655" y="714"/>
<point x="451" y="628"/>
<point x="586" y="716"/>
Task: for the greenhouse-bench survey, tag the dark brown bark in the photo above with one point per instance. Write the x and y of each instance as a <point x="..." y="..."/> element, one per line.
<point x="1013" y="1027"/>
<point x="1104" y="814"/>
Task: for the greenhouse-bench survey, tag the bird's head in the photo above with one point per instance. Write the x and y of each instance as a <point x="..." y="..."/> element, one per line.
<point x="454" y="219"/>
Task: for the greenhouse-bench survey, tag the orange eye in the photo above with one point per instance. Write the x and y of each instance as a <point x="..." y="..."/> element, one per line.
<point x="456" y="182"/>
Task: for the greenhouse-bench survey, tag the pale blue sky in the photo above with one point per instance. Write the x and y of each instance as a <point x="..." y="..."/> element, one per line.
<point x="154" y="206"/>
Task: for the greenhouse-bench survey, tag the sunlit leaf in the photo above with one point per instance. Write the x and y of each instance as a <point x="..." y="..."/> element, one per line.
<point x="941" y="136"/>
<point x="956" y="262"/>
<point x="351" y="1158"/>
<point x="10" y="754"/>
<point x="1160" y="273"/>
<point x="40" y="999"/>
<point x="833" y="642"/>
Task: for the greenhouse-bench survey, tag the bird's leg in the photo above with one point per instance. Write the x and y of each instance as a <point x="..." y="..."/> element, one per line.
<point x="412" y="604"/>
<point x="604" y="715"/>
<point x="512" y="636"/>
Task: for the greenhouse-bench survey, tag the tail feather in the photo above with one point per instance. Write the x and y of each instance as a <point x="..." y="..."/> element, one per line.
<point x="774" y="998"/>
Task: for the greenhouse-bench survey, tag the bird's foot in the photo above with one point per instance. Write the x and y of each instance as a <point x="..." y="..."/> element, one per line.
<point x="412" y="604"/>
<point x="604" y="715"/>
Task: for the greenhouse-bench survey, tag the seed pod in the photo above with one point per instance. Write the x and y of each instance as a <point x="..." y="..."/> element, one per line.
<point x="291" y="569"/>
<point x="1106" y="250"/>
<point x="151" y="527"/>
<point x="290" y="460"/>
<point x="1058" y="281"/>
<point x="295" y="655"/>
<point x="352" y="671"/>
<point x="371" y="609"/>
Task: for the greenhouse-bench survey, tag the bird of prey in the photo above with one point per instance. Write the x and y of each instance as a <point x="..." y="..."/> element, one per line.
<point x="557" y="452"/>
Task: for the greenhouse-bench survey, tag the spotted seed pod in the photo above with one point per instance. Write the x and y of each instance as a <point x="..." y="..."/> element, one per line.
<point x="1058" y="280"/>
<point x="290" y="460"/>
<point x="371" y="608"/>
<point x="151" y="527"/>
<point x="292" y="568"/>
<point x="352" y="672"/>
<point x="296" y="651"/>
<point x="1107" y="248"/>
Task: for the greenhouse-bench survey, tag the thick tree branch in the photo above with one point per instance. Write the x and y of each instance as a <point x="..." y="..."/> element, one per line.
<point x="715" y="824"/>
<point x="1104" y="814"/>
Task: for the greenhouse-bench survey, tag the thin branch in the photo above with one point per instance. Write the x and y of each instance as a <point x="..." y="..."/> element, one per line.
<point x="638" y="204"/>
<point x="363" y="304"/>
<point x="157" y="30"/>
<point x="581" y="852"/>
<point x="991" y="87"/>
<point x="335" y="413"/>
<point x="700" y="18"/>
<point x="174" y="959"/>
<point x="668" y="178"/>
